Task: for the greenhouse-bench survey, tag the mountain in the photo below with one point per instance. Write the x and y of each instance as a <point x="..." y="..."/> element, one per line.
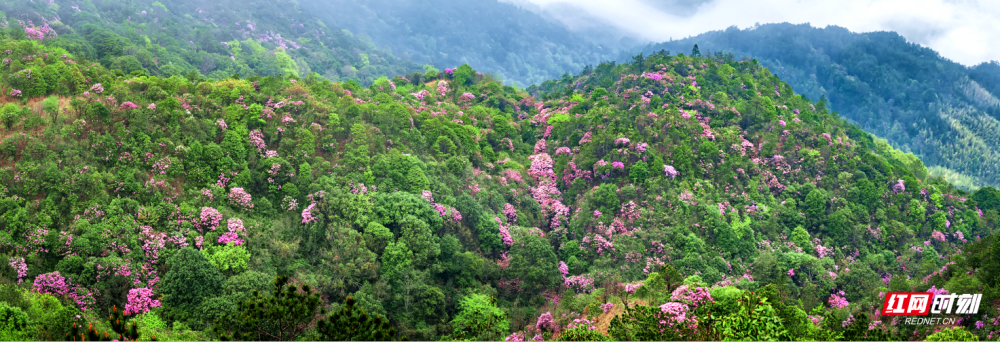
<point x="451" y="206"/>
<point x="214" y="39"/>
<point x="515" y="44"/>
<point x="943" y="112"/>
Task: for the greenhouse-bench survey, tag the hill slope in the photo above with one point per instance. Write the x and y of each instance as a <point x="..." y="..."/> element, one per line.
<point x="922" y="103"/>
<point x="439" y="201"/>
<point x="216" y="39"/>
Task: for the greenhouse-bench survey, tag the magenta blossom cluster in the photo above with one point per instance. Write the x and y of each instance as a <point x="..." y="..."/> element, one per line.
<point x="307" y="215"/>
<point x="52" y="283"/>
<point x="420" y="94"/>
<point x="670" y="171"/>
<point x="442" y="87"/>
<point x="210" y="217"/>
<point x="694" y="296"/>
<point x="235" y="227"/>
<point x="607" y="307"/>
<point x="936" y="235"/>
<point x="510" y="212"/>
<point x="837" y="300"/>
<point x="15" y="93"/>
<point x="545" y="321"/>
<point x="240" y="198"/>
<point x="899" y="187"/>
<point x="128" y="105"/>
<point x="19" y="266"/>
<point x="97" y="88"/>
<point x="580" y="283"/>
<point x="630" y="288"/>
<point x="140" y="301"/>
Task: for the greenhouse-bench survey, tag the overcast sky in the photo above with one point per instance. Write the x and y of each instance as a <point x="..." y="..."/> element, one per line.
<point x="966" y="31"/>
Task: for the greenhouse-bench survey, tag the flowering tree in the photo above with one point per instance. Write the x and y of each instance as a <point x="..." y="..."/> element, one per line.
<point x="140" y="301"/>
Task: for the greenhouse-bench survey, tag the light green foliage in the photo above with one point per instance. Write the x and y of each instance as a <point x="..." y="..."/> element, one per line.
<point x="14" y="323"/>
<point x="480" y="319"/>
<point x="755" y="320"/>
<point x="10" y="114"/>
<point x="953" y="334"/>
<point x="229" y="258"/>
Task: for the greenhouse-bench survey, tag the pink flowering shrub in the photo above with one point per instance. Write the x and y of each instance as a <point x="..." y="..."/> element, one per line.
<point x="510" y="212"/>
<point x="442" y="88"/>
<point x="898" y="187"/>
<point x="307" y="213"/>
<point x="97" y="88"/>
<point x="210" y="217"/>
<point x="630" y="288"/>
<point x="670" y="171"/>
<point x="34" y="34"/>
<point x="936" y="235"/>
<point x="128" y="105"/>
<point x="693" y="296"/>
<point x="140" y="301"/>
<point x="545" y="322"/>
<point x="52" y="283"/>
<point x="837" y="300"/>
<point x="235" y="227"/>
<point x="240" y="198"/>
<point x="20" y="267"/>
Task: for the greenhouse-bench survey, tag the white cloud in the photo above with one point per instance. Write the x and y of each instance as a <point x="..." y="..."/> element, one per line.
<point x="965" y="31"/>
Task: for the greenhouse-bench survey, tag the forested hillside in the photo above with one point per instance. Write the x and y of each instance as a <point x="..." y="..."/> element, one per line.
<point x="943" y="112"/>
<point x="672" y="197"/>
<point x="519" y="46"/>
<point x="213" y="39"/>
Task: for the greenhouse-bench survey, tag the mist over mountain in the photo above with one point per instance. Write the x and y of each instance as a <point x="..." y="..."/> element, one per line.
<point x="944" y="112"/>
<point x="495" y="37"/>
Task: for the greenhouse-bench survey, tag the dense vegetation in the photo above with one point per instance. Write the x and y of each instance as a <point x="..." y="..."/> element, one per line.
<point x="203" y="39"/>
<point x="943" y="112"/>
<point x="517" y="45"/>
<point x="673" y="197"/>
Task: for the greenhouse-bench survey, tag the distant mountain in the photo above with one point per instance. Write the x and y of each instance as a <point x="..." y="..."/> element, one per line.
<point x="216" y="39"/>
<point x="923" y="103"/>
<point x="519" y="45"/>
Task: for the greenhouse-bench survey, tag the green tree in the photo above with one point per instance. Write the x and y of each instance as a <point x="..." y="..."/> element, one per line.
<point x="190" y="280"/>
<point x="756" y="320"/>
<point x="801" y="238"/>
<point x="351" y="323"/>
<point x="284" y="315"/>
<point x="479" y="319"/>
<point x="638" y="172"/>
<point x="14" y="323"/>
<point x="10" y="114"/>
<point x="416" y="180"/>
